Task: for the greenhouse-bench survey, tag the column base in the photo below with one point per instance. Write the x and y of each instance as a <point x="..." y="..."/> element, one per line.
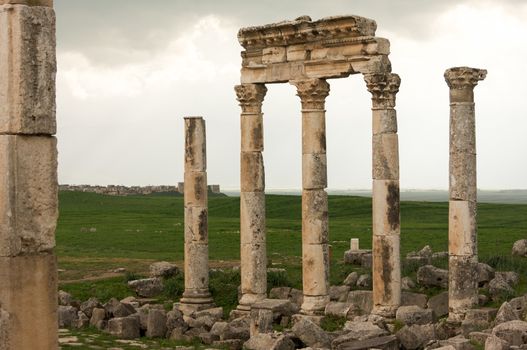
<point x="386" y="311"/>
<point x="314" y="305"/>
<point x="248" y="299"/>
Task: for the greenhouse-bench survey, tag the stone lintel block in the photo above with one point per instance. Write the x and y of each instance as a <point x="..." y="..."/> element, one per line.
<point x="48" y="3"/>
<point x="196" y="225"/>
<point x="195" y="144"/>
<point x="315" y="269"/>
<point x="385" y="157"/>
<point x="252" y="175"/>
<point x="27" y="69"/>
<point x="253" y="268"/>
<point x="196" y="266"/>
<point x="314" y="217"/>
<point x="275" y="54"/>
<point x="384" y="121"/>
<point x="462" y="228"/>
<point x="28" y="293"/>
<point x="252" y="133"/>
<point x="463" y="177"/>
<point x="196" y="191"/>
<point x="386" y="207"/>
<point x="252" y="217"/>
<point x="386" y="271"/>
<point x="462" y="128"/>
<point x="313" y="132"/>
<point x="28" y="194"/>
<point x="462" y="283"/>
<point x="314" y="171"/>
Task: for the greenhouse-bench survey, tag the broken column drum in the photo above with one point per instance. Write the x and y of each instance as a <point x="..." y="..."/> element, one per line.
<point x="462" y="226"/>
<point x="28" y="176"/>
<point x="196" y="292"/>
<point x="307" y="53"/>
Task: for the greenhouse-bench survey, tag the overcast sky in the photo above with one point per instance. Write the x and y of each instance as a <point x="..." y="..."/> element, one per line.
<point x="129" y="71"/>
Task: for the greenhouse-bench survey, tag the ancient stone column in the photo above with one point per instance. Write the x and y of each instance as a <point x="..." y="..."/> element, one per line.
<point x="28" y="176"/>
<point x="462" y="227"/>
<point x="253" y="253"/>
<point x="315" y="252"/>
<point x="196" y="293"/>
<point x="386" y="267"/>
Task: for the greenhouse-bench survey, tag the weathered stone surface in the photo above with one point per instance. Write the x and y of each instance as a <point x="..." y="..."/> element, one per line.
<point x="485" y="274"/>
<point x="238" y="328"/>
<point x="29" y="208"/>
<point x="147" y="287"/>
<point x="65" y="298"/>
<point x="252" y="133"/>
<point x="386" y="274"/>
<point x="512" y="278"/>
<point x="28" y="294"/>
<point x="494" y="343"/>
<point x="261" y="321"/>
<point x="156" y="323"/>
<point x="269" y="342"/>
<point x="407" y="283"/>
<point x="97" y="316"/>
<point x="359" y="330"/>
<point x="114" y="308"/>
<point x="364" y="281"/>
<point x="351" y="279"/>
<point x="48" y="3"/>
<point x="315" y="269"/>
<point x="254" y="270"/>
<point x="385" y="343"/>
<point x="519" y="248"/>
<point x="163" y="269"/>
<point x="458" y="342"/>
<point x="505" y="313"/>
<point x="414" y="315"/>
<point x="195" y="145"/>
<point x="311" y="334"/>
<point x="514" y="332"/>
<point x="339" y="309"/>
<point x="67" y="316"/>
<point x="498" y="286"/>
<point x="314" y="217"/>
<point x="386" y="215"/>
<point x="463" y="285"/>
<point x="124" y="327"/>
<point x="252" y="172"/>
<point x="462" y="228"/>
<point x="313" y="132"/>
<point x="416" y="336"/>
<point x="314" y="171"/>
<point x="90" y="304"/>
<point x="5" y="329"/>
<point x="252" y="217"/>
<point x="384" y="121"/>
<point x="409" y="298"/>
<point x="363" y="299"/>
<point x="339" y="293"/>
<point x="385" y="164"/>
<point x="431" y="276"/>
<point x="519" y="306"/>
<point x="27" y="70"/>
<point x="195" y="190"/>
<point x="439" y="304"/>
<point x="279" y="307"/>
<point x="354" y="257"/>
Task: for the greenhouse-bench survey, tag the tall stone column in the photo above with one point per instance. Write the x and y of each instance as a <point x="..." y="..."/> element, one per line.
<point x="28" y="176"/>
<point x="462" y="227"/>
<point x="253" y="253"/>
<point x="315" y="251"/>
<point x="385" y="196"/>
<point x="196" y="295"/>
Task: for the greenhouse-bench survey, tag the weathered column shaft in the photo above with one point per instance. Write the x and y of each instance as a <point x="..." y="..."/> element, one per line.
<point x="315" y="251"/>
<point x="462" y="227"/>
<point x="28" y="177"/>
<point x="386" y="267"/>
<point x="196" y="215"/>
<point x="253" y="253"/>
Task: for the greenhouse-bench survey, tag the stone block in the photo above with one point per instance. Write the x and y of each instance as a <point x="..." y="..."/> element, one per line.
<point x="147" y="287"/>
<point x="196" y="191"/>
<point x="439" y="304"/>
<point x="315" y="269"/>
<point x="124" y="327"/>
<point x="311" y="334"/>
<point x="462" y="228"/>
<point x="28" y="194"/>
<point x="386" y="271"/>
<point x="27" y="68"/>
<point x="462" y="128"/>
<point x="252" y="217"/>
<point x="196" y="225"/>
<point x="514" y="332"/>
<point x="196" y="266"/>
<point x="463" y="179"/>
<point x="363" y="299"/>
<point x="339" y="293"/>
<point x="384" y="121"/>
<point x="314" y="171"/>
<point x="386" y="207"/>
<point x="254" y="268"/>
<point x="195" y="144"/>
<point x="431" y="276"/>
<point x="313" y="132"/>
<point x="409" y="298"/>
<point x="252" y="137"/>
<point x="314" y="217"/>
<point x="269" y="342"/>
<point x="414" y="315"/>
<point x="462" y="283"/>
<point x="338" y="309"/>
<point x="156" y="324"/>
<point x="252" y="177"/>
<point x="28" y="293"/>
<point x="385" y="164"/>
<point x="274" y="54"/>
<point x="388" y="342"/>
<point x="261" y="321"/>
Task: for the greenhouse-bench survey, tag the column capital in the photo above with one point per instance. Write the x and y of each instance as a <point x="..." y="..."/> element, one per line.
<point x="312" y="92"/>
<point x="251" y="97"/>
<point x="464" y="77"/>
<point x="383" y="88"/>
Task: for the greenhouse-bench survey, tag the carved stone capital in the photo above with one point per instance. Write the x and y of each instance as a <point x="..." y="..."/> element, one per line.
<point x="464" y="77"/>
<point x="383" y="88"/>
<point x="312" y="93"/>
<point x="250" y="97"/>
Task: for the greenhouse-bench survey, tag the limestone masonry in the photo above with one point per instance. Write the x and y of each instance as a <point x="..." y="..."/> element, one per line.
<point x="120" y="190"/>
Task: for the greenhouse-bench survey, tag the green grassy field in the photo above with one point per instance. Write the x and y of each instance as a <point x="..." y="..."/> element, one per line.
<point x="133" y="231"/>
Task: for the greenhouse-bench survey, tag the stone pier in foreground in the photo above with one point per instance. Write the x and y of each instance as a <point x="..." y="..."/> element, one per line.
<point x="462" y="226"/>
<point x="28" y="176"/>
<point x="196" y="295"/>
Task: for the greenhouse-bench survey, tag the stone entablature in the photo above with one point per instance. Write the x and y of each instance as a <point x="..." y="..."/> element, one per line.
<point x="120" y="190"/>
<point x="332" y="47"/>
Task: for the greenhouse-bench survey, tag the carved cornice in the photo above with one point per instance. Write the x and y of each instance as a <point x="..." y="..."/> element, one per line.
<point x="251" y="97"/>
<point x="304" y="30"/>
<point x="312" y="93"/>
<point x="464" y="77"/>
<point x="383" y="88"/>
